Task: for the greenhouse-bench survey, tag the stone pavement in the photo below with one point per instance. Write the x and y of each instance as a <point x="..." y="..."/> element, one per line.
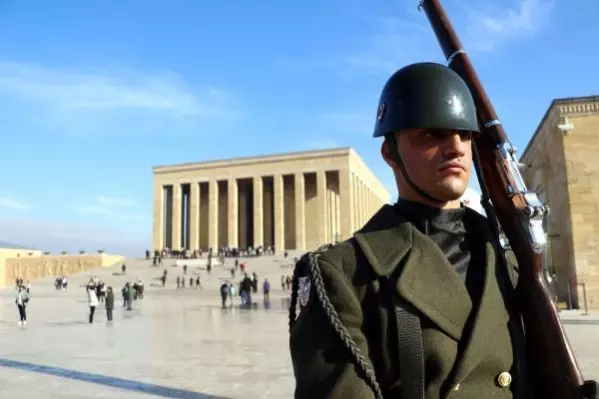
<point x="174" y="344"/>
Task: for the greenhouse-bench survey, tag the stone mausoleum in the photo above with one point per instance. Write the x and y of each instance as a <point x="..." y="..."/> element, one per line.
<point x="562" y="167"/>
<point x="292" y="201"/>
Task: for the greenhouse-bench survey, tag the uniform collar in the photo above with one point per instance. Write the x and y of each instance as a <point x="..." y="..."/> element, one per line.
<point x="427" y="280"/>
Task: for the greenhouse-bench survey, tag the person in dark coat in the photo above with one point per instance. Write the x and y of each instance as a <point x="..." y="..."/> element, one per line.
<point x="246" y="290"/>
<point x="109" y="303"/>
<point x="127" y="292"/>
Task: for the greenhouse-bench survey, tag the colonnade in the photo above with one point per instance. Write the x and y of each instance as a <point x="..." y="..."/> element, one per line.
<point x="285" y="211"/>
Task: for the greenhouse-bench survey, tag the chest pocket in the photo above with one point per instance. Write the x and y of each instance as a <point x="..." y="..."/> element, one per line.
<point x="409" y="346"/>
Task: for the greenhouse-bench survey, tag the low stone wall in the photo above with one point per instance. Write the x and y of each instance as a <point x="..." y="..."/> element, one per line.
<point x="19" y="252"/>
<point x="35" y="267"/>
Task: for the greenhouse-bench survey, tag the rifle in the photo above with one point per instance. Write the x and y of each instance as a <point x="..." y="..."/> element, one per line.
<point x="554" y="372"/>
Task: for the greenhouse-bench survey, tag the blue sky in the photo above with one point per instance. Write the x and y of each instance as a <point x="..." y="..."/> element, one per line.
<point x="94" y="93"/>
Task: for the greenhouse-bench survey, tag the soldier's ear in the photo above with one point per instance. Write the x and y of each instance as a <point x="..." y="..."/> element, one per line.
<point x="386" y="153"/>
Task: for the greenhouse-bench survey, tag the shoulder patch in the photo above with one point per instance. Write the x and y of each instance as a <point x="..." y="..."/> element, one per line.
<point x="304" y="290"/>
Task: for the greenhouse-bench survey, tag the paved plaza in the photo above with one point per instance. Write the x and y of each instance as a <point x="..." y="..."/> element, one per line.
<point x="174" y="344"/>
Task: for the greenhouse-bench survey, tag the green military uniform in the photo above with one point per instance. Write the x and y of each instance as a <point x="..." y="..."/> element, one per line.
<point x="348" y="339"/>
<point x="463" y="359"/>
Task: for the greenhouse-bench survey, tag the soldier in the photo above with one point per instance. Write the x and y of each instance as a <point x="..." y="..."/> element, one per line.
<point x="414" y="304"/>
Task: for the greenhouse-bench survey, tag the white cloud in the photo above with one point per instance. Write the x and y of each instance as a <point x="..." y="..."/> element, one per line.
<point x="115" y="201"/>
<point x="491" y="25"/>
<point x="392" y="42"/>
<point x="355" y="122"/>
<point x="110" y="207"/>
<point x="12" y="203"/>
<point x="74" y="97"/>
<point x="94" y="210"/>
<point x="56" y="236"/>
<point x="322" y="143"/>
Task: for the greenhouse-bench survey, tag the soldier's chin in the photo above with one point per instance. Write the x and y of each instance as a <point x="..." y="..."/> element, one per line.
<point x="451" y="189"/>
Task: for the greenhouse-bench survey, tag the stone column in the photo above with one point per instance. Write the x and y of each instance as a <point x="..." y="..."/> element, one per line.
<point x="337" y="203"/>
<point x="346" y="205"/>
<point x="364" y="202"/>
<point x="233" y="214"/>
<point x="358" y="204"/>
<point x="213" y="215"/>
<point x="355" y="203"/>
<point x="367" y="201"/>
<point x="372" y="207"/>
<point x="361" y="201"/>
<point x="176" y="223"/>
<point x="279" y="219"/>
<point x="372" y="203"/>
<point x="332" y="216"/>
<point x="258" y="216"/>
<point x="330" y="211"/>
<point x="194" y="216"/>
<point x="321" y="199"/>
<point x="300" y="212"/>
<point x="158" y="218"/>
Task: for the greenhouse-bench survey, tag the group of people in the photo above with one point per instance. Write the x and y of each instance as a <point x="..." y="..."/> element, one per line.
<point x="247" y="287"/>
<point x="61" y="283"/>
<point x="96" y="292"/>
<point x="222" y="253"/>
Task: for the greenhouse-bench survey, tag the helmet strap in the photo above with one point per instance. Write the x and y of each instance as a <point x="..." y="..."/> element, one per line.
<point x="402" y="167"/>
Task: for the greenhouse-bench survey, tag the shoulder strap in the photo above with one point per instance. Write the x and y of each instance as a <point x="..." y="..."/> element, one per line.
<point x="409" y="345"/>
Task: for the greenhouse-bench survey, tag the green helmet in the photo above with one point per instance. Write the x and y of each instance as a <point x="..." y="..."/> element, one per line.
<point x="425" y="95"/>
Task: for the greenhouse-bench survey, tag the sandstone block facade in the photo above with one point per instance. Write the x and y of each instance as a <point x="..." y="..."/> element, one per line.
<point x="562" y="162"/>
<point x="287" y="201"/>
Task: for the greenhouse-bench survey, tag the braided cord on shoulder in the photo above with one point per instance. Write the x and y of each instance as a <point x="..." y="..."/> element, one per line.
<point x="363" y="364"/>
<point x="295" y="283"/>
<point x="293" y="299"/>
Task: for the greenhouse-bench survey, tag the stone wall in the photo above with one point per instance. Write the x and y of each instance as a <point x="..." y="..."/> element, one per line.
<point x="563" y="168"/>
<point x="35" y="267"/>
<point x="547" y="176"/>
<point x="582" y="166"/>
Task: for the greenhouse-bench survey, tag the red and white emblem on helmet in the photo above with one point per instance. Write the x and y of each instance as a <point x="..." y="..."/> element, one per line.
<point x="380" y="112"/>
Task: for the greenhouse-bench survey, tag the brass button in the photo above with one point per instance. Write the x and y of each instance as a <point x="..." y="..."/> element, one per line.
<point x="504" y="379"/>
<point x="456" y="387"/>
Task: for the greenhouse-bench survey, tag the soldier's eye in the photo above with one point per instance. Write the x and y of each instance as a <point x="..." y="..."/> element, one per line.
<point x="465" y="135"/>
<point x="435" y="134"/>
<point x="438" y="134"/>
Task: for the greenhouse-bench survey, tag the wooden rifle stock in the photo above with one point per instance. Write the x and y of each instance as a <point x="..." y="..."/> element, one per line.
<point x="552" y="365"/>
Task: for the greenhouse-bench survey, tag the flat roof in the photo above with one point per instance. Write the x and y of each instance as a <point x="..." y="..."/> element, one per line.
<point x="554" y="103"/>
<point x="286" y="156"/>
<point x="8" y="245"/>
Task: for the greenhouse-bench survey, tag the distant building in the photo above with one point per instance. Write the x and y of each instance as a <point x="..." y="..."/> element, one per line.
<point x="562" y="167"/>
<point x="297" y="200"/>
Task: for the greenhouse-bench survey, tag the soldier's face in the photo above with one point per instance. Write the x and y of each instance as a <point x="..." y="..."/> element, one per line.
<point x="437" y="161"/>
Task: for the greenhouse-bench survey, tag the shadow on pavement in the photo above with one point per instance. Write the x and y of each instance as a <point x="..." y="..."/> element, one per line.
<point x="114" y="382"/>
<point x="66" y="323"/>
<point x="281" y="304"/>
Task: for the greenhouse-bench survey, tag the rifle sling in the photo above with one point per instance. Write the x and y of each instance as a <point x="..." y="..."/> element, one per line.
<point x="409" y="346"/>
